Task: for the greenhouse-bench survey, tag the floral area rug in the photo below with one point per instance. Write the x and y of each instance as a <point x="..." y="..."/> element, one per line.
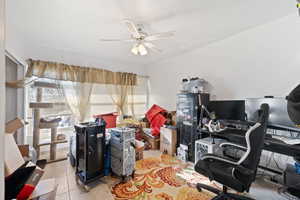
<point x="162" y="178"/>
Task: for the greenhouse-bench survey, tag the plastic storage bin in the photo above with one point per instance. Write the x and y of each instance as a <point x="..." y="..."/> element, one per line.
<point x="109" y="118"/>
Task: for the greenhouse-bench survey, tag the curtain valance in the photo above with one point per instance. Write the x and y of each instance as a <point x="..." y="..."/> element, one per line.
<point x="60" y="71"/>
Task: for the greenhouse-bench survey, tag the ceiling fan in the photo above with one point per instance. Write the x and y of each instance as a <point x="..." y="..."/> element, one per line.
<point x="142" y="40"/>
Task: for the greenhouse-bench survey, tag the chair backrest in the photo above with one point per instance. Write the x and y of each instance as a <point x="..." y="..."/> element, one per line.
<point x="256" y="139"/>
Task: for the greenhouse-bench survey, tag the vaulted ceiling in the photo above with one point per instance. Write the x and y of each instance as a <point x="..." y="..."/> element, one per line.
<point x="56" y="28"/>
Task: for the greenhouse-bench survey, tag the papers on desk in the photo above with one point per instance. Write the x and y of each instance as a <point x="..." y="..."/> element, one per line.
<point x="291" y="141"/>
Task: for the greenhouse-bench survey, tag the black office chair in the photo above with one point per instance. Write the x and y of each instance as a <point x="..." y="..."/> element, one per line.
<point x="240" y="174"/>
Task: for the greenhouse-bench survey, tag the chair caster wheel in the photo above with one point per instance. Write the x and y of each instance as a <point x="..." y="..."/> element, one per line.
<point x="199" y="188"/>
<point x="86" y="188"/>
<point x="123" y="179"/>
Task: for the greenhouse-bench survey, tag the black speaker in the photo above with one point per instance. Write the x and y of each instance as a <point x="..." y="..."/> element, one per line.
<point x="90" y="147"/>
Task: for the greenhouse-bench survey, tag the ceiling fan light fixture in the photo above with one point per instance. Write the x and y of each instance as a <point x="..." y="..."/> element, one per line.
<point x="135" y="50"/>
<point x="142" y="50"/>
<point x="141" y="38"/>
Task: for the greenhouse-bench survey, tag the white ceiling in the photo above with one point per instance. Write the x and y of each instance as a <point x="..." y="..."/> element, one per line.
<point x="52" y="28"/>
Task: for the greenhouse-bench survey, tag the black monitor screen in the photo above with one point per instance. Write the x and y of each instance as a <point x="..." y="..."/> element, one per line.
<point x="228" y="110"/>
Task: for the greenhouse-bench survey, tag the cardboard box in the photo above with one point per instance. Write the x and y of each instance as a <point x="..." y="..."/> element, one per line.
<point x="154" y="142"/>
<point x="174" y="120"/>
<point x="145" y="124"/>
<point x="168" y="140"/>
<point x="24" y="150"/>
<point x="139" y="150"/>
<point x="13" y="125"/>
<point x="12" y="157"/>
<point x="45" y="189"/>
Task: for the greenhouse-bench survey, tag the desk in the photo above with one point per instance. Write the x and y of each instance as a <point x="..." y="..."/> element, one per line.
<point x="274" y="145"/>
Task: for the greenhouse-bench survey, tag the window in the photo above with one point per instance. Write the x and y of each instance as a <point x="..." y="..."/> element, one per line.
<point x="141" y="97"/>
<point x="101" y="103"/>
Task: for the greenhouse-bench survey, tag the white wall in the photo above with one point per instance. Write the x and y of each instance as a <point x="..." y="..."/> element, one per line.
<point x="261" y="61"/>
<point x="2" y="100"/>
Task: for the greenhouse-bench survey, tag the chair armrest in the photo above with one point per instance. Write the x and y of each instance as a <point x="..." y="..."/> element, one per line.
<point x="219" y="158"/>
<point x="233" y="145"/>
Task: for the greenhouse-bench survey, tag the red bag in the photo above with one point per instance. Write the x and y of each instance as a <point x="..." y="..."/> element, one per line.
<point x="154" y="110"/>
<point x="156" y="119"/>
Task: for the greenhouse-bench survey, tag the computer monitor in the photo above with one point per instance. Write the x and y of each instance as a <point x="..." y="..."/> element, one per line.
<point x="228" y="109"/>
<point x="278" y="115"/>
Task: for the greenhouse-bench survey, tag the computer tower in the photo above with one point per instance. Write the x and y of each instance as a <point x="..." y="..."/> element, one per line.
<point x="207" y="145"/>
<point x="90" y="147"/>
<point x="188" y="118"/>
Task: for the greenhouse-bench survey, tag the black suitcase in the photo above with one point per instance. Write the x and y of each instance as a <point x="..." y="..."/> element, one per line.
<point x="90" y="150"/>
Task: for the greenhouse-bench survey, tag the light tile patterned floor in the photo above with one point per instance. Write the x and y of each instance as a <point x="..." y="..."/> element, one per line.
<point x="69" y="190"/>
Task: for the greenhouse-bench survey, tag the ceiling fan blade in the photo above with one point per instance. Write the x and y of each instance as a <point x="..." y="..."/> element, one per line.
<point x="159" y="36"/>
<point x="152" y="47"/>
<point x="132" y="28"/>
<point x="117" y="40"/>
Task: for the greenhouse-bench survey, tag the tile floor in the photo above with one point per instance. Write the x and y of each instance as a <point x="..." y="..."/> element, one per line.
<point x="69" y="190"/>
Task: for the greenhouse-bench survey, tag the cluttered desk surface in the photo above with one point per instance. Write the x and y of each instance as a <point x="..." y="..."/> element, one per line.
<point x="273" y="143"/>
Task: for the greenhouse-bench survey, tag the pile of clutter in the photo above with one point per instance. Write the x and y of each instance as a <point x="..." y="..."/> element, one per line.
<point x="23" y="171"/>
<point x="126" y="140"/>
<point x="156" y="131"/>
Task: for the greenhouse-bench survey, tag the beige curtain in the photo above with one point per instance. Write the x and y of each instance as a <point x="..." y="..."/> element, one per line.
<point x="77" y="95"/>
<point x="60" y="71"/>
<point x="76" y="84"/>
<point x="122" y="94"/>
